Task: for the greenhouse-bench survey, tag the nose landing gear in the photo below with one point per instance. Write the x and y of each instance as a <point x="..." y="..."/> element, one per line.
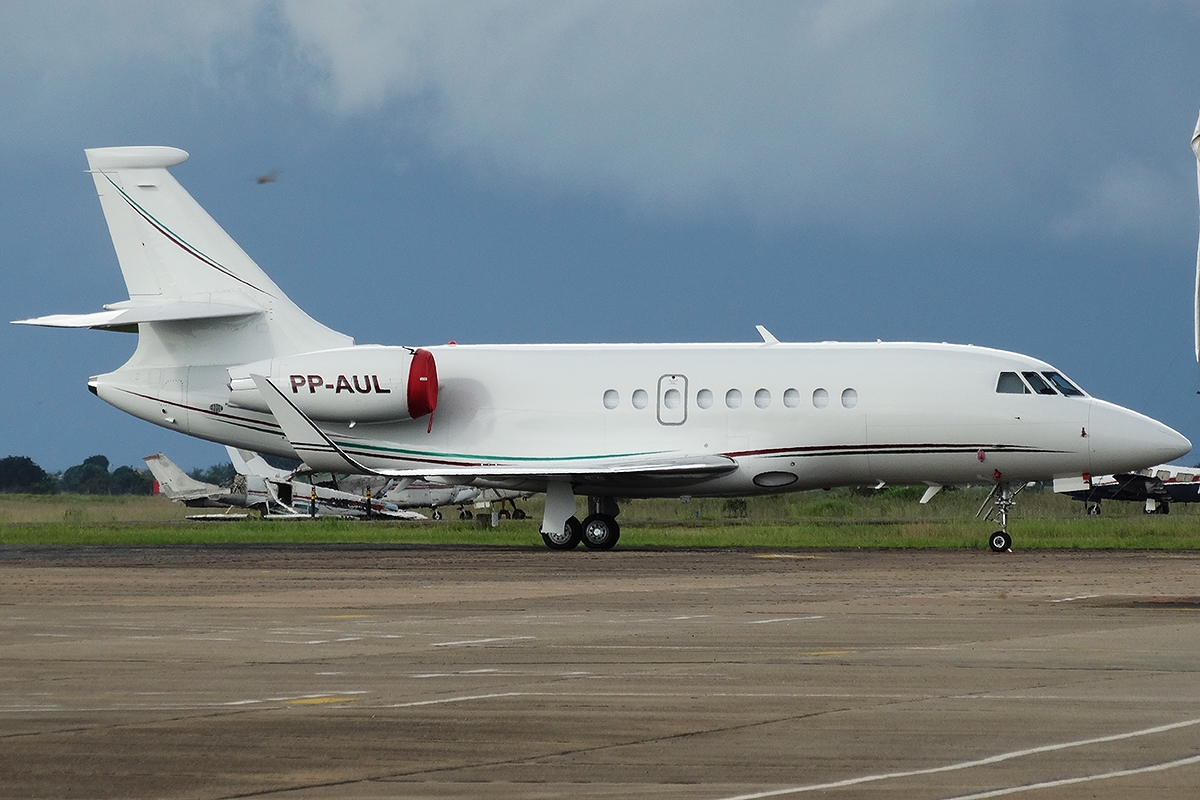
<point x="1002" y="501"/>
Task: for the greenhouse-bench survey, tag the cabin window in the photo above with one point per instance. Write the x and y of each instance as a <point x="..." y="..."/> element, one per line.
<point x="672" y="398"/>
<point x="762" y="398"/>
<point x="1063" y="385"/>
<point x="791" y="398"/>
<point x="640" y="399"/>
<point x="611" y="399"/>
<point x="1039" y="385"/>
<point x="820" y="398"/>
<point x="1163" y="475"/>
<point x="1011" y="383"/>
<point x="733" y="398"/>
<point x="704" y="398"/>
<point x="850" y="398"/>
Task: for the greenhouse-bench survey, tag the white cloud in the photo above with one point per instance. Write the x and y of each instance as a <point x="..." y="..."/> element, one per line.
<point x="781" y="109"/>
<point x="862" y="115"/>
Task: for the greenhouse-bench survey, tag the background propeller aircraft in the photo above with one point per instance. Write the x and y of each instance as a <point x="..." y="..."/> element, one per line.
<point x="223" y="354"/>
<point x="269" y="489"/>
<point x="1156" y="487"/>
<point x="275" y="491"/>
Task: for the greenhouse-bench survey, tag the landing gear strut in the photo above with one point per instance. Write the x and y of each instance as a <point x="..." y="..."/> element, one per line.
<point x="1002" y="502"/>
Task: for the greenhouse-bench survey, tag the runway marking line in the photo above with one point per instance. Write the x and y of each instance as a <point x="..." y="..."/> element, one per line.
<point x="1121" y="773"/>
<point x="347" y="616"/>
<point x="481" y="641"/>
<point x="784" y="619"/>
<point x="463" y="699"/>
<point x="1079" y="597"/>
<point x="316" y="701"/>
<point x="979" y="762"/>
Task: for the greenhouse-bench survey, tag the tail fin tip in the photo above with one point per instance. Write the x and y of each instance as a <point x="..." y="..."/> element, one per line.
<point x="136" y="157"/>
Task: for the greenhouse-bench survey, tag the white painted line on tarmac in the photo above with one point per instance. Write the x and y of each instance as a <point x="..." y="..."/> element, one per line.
<point x="1078" y="597"/>
<point x="1183" y="762"/>
<point x="783" y="619"/>
<point x="480" y="641"/>
<point x="463" y="699"/>
<point x="454" y="674"/>
<point x="816" y="787"/>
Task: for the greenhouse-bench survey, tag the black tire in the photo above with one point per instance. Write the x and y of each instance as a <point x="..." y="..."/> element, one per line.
<point x="600" y="532"/>
<point x="569" y="539"/>
<point x="1163" y="508"/>
<point x="1094" y="510"/>
<point x="436" y="514"/>
<point x="502" y="514"/>
<point x="1000" y="542"/>
<point x="518" y="514"/>
<point x="464" y="514"/>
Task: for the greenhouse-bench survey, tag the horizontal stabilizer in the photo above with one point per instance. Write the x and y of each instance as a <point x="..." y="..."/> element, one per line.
<point x="125" y="317"/>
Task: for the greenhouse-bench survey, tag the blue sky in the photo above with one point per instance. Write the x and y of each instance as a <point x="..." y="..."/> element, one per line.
<point x="1007" y="174"/>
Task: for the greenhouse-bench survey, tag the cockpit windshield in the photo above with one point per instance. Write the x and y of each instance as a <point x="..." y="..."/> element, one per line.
<point x="1063" y="385"/>
<point x="1049" y="382"/>
<point x="1040" y="386"/>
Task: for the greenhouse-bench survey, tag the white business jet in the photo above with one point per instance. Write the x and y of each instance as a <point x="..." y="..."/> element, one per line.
<point x="224" y="355"/>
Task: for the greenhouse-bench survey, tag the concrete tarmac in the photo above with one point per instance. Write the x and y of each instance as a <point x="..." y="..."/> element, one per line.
<point x="446" y="672"/>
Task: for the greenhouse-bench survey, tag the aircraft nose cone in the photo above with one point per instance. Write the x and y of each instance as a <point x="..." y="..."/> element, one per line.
<point x="1123" y="441"/>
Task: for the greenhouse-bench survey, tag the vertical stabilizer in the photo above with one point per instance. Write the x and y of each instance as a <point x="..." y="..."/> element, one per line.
<point x="174" y="483"/>
<point x="176" y="259"/>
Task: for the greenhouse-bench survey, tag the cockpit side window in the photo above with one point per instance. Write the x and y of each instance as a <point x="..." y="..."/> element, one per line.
<point x="1011" y="383"/>
<point x="1039" y="385"/>
<point x="1063" y="385"/>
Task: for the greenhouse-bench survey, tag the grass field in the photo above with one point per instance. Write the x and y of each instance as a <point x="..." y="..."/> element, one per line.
<point x="836" y="519"/>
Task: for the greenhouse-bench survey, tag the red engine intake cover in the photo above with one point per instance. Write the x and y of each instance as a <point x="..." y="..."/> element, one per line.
<point x="422" y="384"/>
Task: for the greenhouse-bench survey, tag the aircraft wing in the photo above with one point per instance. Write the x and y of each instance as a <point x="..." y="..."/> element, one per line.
<point x="322" y="454"/>
<point x="1129" y="486"/>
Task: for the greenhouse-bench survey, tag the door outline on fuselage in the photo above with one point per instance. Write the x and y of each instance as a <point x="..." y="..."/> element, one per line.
<point x="672" y="416"/>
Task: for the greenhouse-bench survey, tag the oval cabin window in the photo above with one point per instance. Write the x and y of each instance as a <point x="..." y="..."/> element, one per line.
<point x="704" y="398"/>
<point x="671" y="398"/>
<point x="733" y="398"/>
<point x="850" y="398"/>
<point x="820" y="398"/>
<point x="640" y="398"/>
<point x="762" y="398"/>
<point x="611" y="399"/>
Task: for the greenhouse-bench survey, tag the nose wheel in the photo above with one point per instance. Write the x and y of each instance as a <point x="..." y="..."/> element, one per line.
<point x="1000" y="542"/>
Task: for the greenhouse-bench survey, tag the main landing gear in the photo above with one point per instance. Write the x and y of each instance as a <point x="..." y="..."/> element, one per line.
<point x="1002" y="502"/>
<point x="598" y="531"/>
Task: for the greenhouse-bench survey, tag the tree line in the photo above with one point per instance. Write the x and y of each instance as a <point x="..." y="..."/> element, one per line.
<point x="21" y="474"/>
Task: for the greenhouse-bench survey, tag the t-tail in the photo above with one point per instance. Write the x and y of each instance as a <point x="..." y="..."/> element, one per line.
<point x="197" y="302"/>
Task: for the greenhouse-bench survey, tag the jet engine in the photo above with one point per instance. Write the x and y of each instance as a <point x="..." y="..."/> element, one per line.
<point x="353" y="384"/>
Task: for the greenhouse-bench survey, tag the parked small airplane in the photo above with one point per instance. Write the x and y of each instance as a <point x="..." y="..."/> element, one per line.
<point x="269" y="489"/>
<point x="223" y="354"/>
<point x="1155" y="487"/>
